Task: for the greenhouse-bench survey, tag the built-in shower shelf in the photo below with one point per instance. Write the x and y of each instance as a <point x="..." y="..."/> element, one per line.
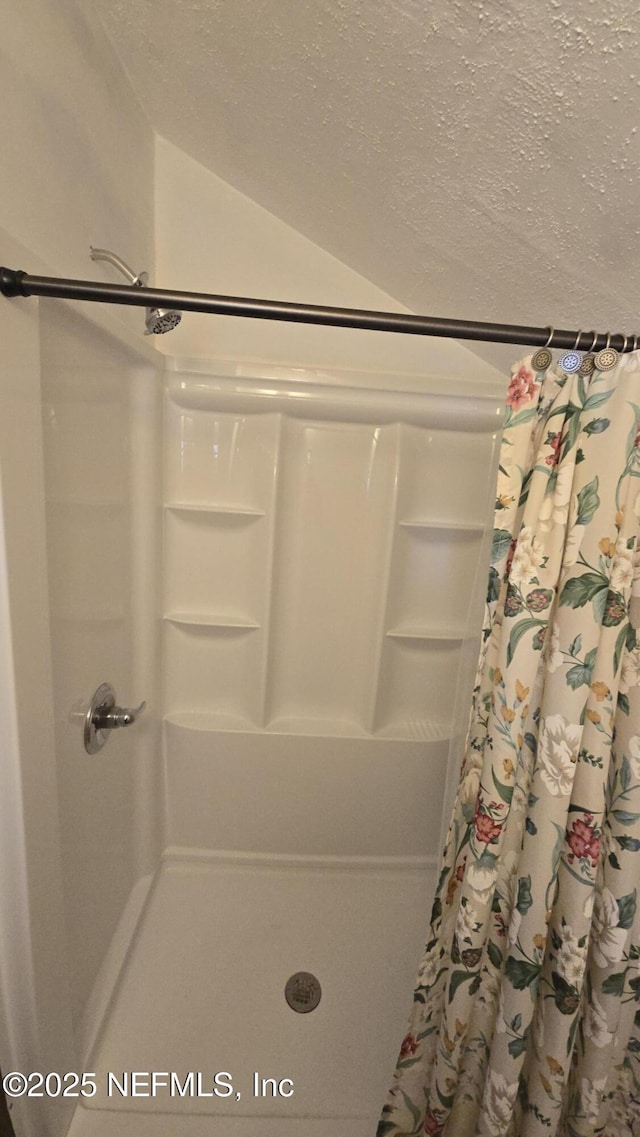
<point x="306" y="725"/>
<point x="214" y="622"/>
<point x="447" y="526"/>
<point x="407" y="730"/>
<point x="224" y="510"/>
<point x="209" y="721"/>
<point x="417" y="730"/>
<point x="427" y="633"/>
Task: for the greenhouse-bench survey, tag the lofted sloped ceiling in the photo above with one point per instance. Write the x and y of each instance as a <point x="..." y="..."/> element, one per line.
<point x="474" y="158"/>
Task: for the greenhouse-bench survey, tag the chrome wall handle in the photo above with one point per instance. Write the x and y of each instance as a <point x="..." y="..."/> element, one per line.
<point x="104" y="716"/>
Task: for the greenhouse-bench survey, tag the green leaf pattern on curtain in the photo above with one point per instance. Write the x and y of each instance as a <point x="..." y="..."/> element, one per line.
<point x="526" y="1016"/>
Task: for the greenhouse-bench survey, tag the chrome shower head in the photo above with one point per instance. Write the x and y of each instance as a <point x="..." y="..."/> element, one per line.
<point x="161" y="320"/>
<point x="158" y="320"/>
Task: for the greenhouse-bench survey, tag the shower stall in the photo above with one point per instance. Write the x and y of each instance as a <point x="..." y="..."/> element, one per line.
<point x="215" y="919"/>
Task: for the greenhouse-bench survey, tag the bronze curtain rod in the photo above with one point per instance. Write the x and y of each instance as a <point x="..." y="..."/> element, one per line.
<point x="15" y="282"/>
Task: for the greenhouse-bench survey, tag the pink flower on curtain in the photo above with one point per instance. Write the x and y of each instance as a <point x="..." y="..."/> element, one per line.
<point x="409" y="1046"/>
<point x="584" y="840"/>
<point x="510" y="556"/>
<point x="522" y="388"/>
<point x="554" y="439"/>
<point x="487" y="829"/>
<point x="433" y="1125"/>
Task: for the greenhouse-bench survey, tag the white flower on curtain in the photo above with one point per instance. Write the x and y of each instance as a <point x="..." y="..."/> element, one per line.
<point x="498" y="1103"/>
<point x="630" y="676"/>
<point x="595" y="1022"/>
<point x="555" y="507"/>
<point x="558" y="751"/>
<point x="526" y="1017"/>
<point x="608" y="937"/>
<point x="527" y="558"/>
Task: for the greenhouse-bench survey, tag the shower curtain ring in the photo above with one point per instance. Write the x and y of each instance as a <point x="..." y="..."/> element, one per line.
<point x="572" y="359"/>
<point x="542" y="358"/>
<point x="587" y="367"/>
<point x="607" y="358"/>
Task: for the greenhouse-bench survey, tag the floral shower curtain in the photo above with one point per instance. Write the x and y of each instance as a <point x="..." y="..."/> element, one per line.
<point x="526" y="1016"/>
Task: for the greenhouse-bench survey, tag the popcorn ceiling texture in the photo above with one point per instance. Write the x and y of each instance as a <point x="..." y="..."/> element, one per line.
<point x="474" y="158"/>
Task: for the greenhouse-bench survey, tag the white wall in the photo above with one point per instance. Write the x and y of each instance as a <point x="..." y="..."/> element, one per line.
<point x="211" y="238"/>
<point x="77" y="151"/>
<point x="34" y="984"/>
<point x="91" y="386"/>
<point x="77" y="169"/>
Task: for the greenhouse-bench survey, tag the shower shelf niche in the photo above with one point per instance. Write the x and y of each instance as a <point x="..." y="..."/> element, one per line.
<point x="207" y="620"/>
<point x="209" y="507"/>
<point x="457" y="635"/>
<point x="314" y="567"/>
<point x="451" y="526"/>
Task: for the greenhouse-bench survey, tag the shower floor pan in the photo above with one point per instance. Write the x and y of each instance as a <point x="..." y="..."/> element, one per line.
<point x="201" y="992"/>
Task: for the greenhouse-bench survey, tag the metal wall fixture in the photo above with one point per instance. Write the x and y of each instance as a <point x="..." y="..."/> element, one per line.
<point x="303" y="992"/>
<point x="104" y="716"/>
<point x="158" y="320"/>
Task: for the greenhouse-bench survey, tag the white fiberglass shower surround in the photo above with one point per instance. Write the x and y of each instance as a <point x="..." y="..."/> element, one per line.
<point x="273" y="559"/>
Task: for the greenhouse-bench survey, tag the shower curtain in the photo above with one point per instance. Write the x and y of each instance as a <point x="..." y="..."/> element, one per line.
<point x="526" y="1014"/>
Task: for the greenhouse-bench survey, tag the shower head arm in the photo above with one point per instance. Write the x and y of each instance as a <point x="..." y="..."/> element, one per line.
<point x="139" y="279"/>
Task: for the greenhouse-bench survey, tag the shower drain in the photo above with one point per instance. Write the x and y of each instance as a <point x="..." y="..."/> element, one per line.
<point x="303" y="992"/>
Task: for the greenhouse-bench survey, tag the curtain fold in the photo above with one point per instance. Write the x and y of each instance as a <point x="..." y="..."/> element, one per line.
<point x="525" y="1019"/>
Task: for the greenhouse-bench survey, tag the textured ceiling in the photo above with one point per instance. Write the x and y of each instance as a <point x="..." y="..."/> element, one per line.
<point x="475" y="158"/>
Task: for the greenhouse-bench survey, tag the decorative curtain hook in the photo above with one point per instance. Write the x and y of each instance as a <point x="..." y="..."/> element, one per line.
<point x="541" y="359"/>
<point x="587" y="367"/>
<point x="571" y="360"/>
<point x="607" y="358"/>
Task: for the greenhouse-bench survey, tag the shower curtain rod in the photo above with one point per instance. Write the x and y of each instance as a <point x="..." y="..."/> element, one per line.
<point x="15" y="282"/>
